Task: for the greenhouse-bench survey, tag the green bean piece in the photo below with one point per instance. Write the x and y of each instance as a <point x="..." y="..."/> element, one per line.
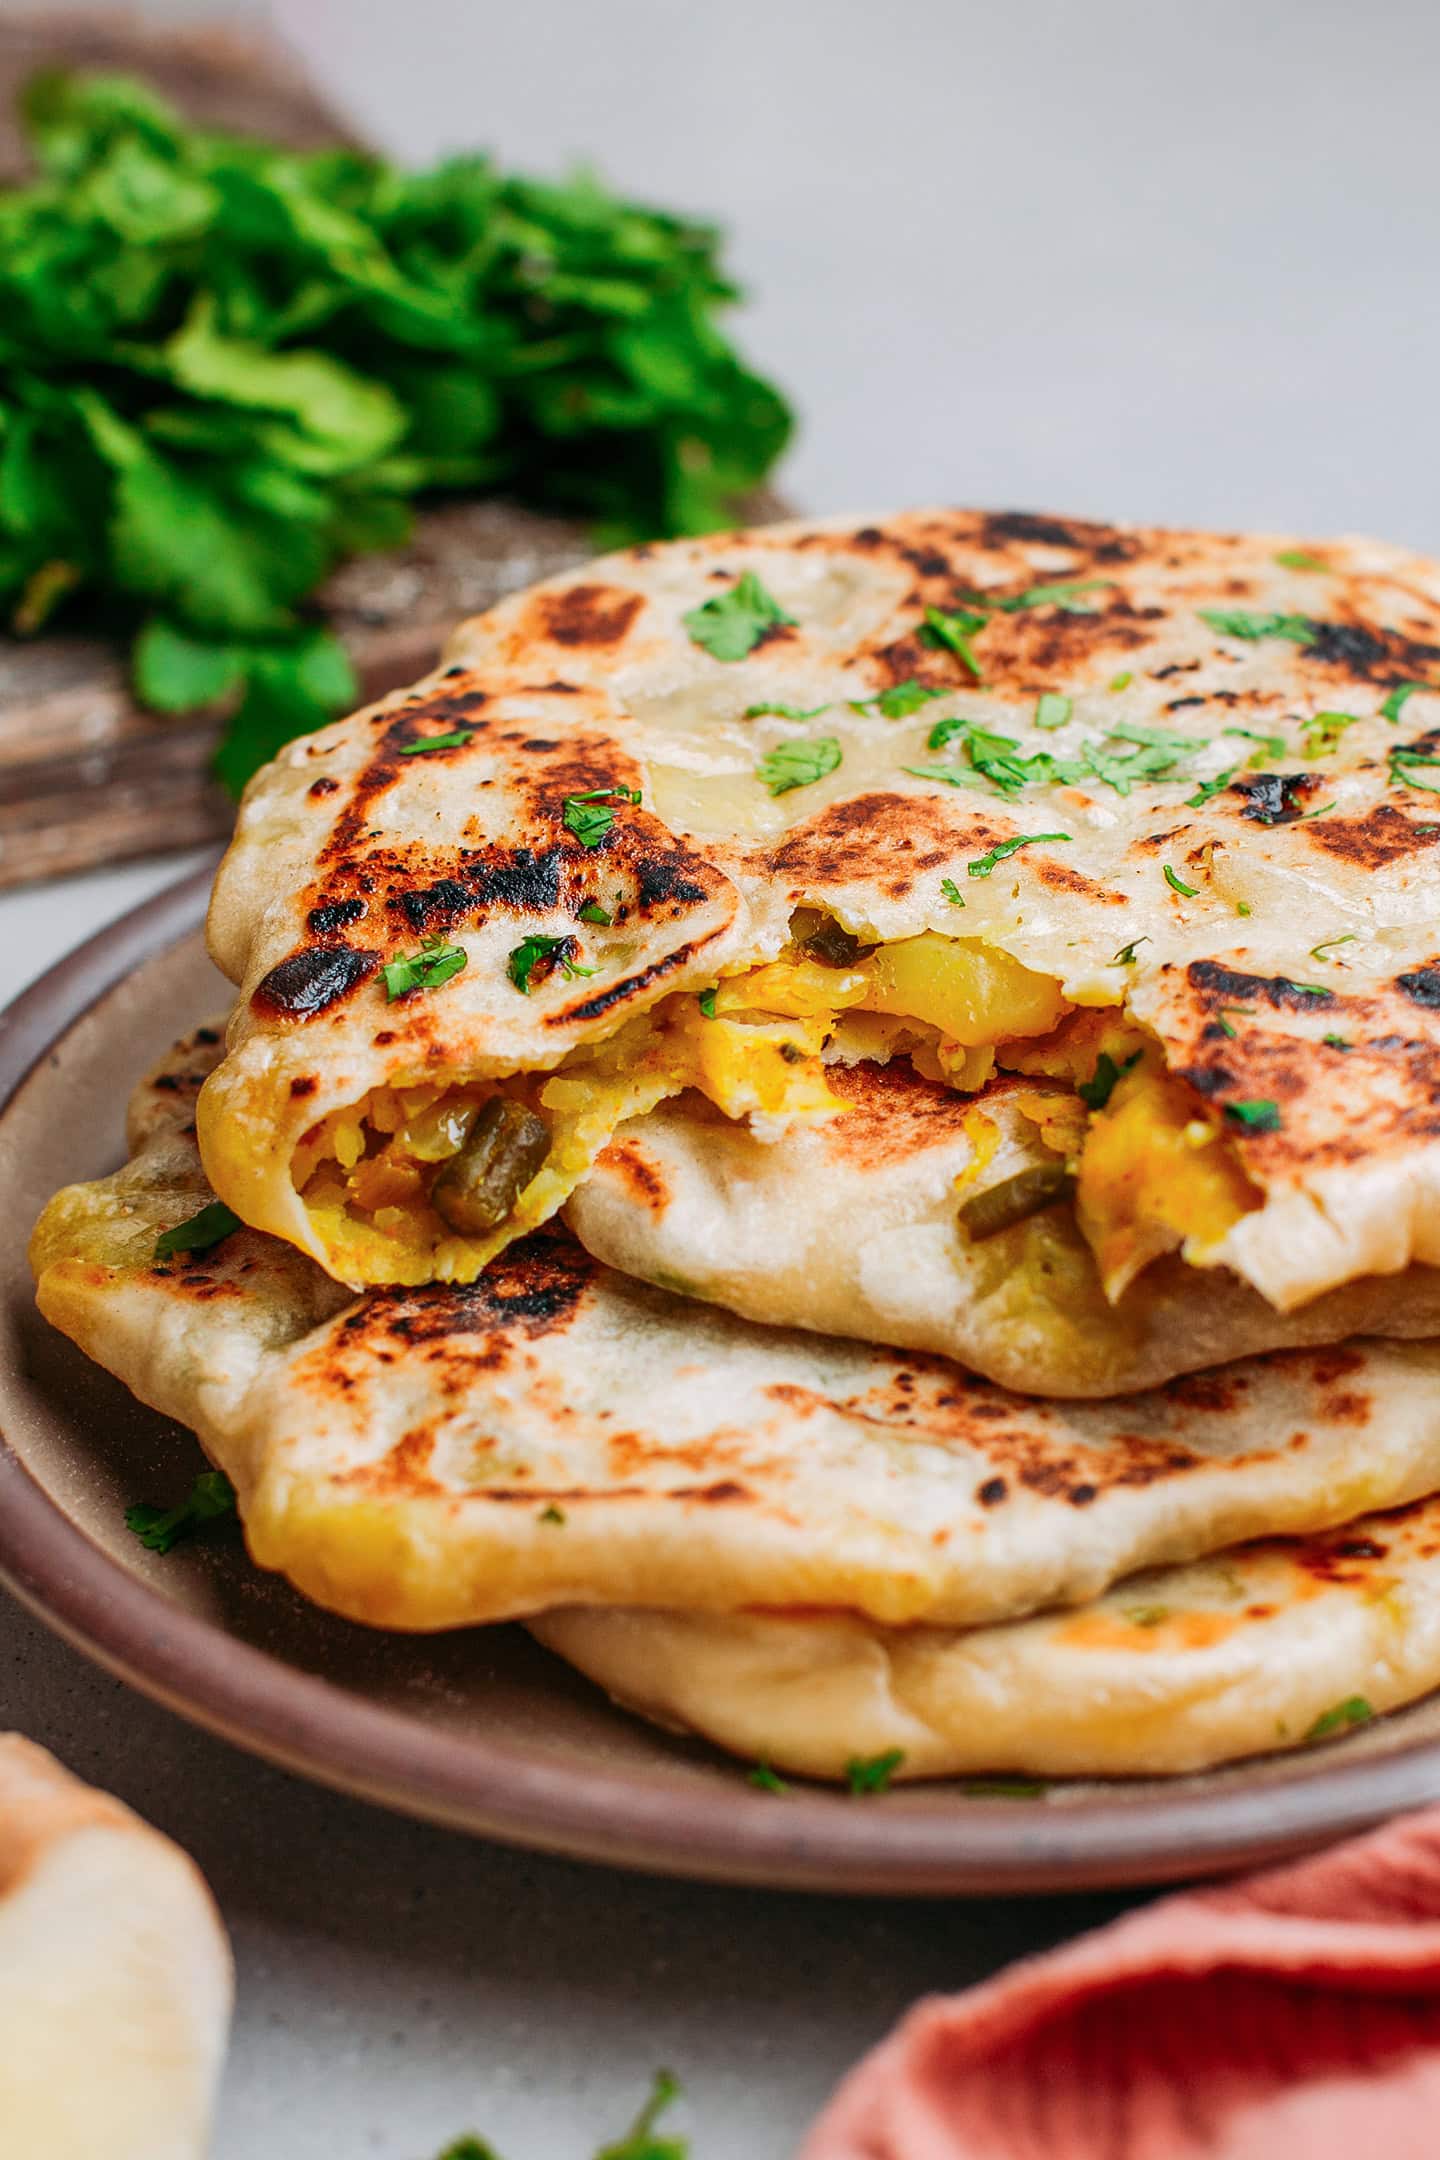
<point x="477" y="1189"/>
<point x="1015" y="1199"/>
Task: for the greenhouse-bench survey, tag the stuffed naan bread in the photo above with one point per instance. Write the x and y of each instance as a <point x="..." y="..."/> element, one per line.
<point x="558" y="1434"/>
<point x="907" y="1221"/>
<point x="1149" y="817"/>
<point x="1267" y="1646"/>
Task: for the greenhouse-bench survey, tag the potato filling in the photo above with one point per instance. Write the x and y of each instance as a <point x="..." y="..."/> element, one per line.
<point x="416" y="1181"/>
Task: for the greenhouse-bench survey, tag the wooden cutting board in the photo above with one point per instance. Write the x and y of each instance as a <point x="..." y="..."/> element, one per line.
<point x="86" y="777"/>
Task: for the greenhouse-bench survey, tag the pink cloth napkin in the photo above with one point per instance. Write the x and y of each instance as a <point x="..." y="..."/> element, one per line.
<point x="1292" y="2016"/>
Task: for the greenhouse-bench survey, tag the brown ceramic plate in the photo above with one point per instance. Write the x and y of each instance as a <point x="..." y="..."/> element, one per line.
<point x="482" y="1729"/>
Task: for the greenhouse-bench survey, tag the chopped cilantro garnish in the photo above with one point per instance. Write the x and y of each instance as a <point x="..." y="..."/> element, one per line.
<point x="997" y="757"/>
<point x="590" y="817"/>
<point x="1319" y="811"/>
<point x="209" y="1498"/>
<point x="1053" y="709"/>
<point x="1398" y="697"/>
<point x="1123" y="680"/>
<point x="593" y="912"/>
<point x="469" y="2148"/>
<point x="455" y="740"/>
<point x="1306" y="989"/>
<point x="1241" y="623"/>
<point x="733" y="623"/>
<point x="551" y="1514"/>
<point x="706" y="1001"/>
<point x="640" y="2141"/>
<point x="954" y="631"/>
<point x="1318" y="952"/>
<point x="798" y="763"/>
<point x="1242" y="907"/>
<point x="784" y="712"/>
<point x="1270" y="745"/>
<point x="1338" y="1042"/>
<point x="1146" y="763"/>
<point x="1260" y="1116"/>
<point x="1126" y="955"/>
<point x="767" y="1780"/>
<point x="996" y="1788"/>
<point x="1222" y="1021"/>
<point x="952" y="892"/>
<point x="547" y="953"/>
<point x="427" y="969"/>
<point x="1207" y="788"/>
<point x="1177" y="884"/>
<point x="1299" y="559"/>
<point x="872" y="1774"/>
<point x="1060" y="595"/>
<point x="1323" y="730"/>
<point x="200" y="1232"/>
<point x="898" y="702"/>
<point x="1153" y="738"/>
<point x="1225" y="1026"/>
<point x="1096" y="1091"/>
<point x="984" y="864"/>
<point x="1353" y="1711"/>
<point x="1406" y="767"/>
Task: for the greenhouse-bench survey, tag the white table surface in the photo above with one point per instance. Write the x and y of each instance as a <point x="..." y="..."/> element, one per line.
<point x="1132" y="258"/>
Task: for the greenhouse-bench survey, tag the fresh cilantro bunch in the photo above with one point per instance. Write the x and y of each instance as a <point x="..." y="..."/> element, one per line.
<point x="224" y="366"/>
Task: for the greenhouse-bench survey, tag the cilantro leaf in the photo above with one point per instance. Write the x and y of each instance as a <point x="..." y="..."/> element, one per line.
<point x="589" y="816"/>
<point x="1053" y="709"/>
<point x="984" y="864"/>
<point x="211" y="1497"/>
<point x="1060" y="595"/>
<point x="734" y="622"/>
<point x="228" y="365"/>
<point x="1177" y="884"/>
<point x="1323" y="730"/>
<point x="1355" y="1710"/>
<point x="640" y="2142"/>
<point x="427" y="969"/>
<point x="1407" y="766"/>
<point x="214" y="1222"/>
<point x="1270" y="745"/>
<point x="953" y="632"/>
<point x="872" y="1774"/>
<point x="1258" y="1116"/>
<point x="784" y="712"/>
<point x="1242" y="623"/>
<point x="767" y="1780"/>
<point x="706" y="1001"/>
<point x="896" y="703"/>
<point x="1123" y="680"/>
<point x="1399" y="697"/>
<point x="547" y="954"/>
<point x="1318" y="952"/>
<point x="1096" y="1091"/>
<point x="593" y="912"/>
<point x="1299" y="559"/>
<point x="455" y="740"/>
<point x="798" y="763"/>
<point x="952" y="892"/>
<point x="1207" y="788"/>
<point x="1126" y="955"/>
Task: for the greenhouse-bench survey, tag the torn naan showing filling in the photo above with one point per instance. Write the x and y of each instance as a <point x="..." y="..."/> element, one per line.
<point x="1145" y="817"/>
<point x="419" y="1181"/>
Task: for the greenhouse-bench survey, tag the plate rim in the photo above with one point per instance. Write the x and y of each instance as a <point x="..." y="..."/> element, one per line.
<point x="806" y="1839"/>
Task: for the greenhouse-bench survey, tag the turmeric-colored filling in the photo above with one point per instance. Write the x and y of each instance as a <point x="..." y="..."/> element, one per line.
<point x="1150" y="1172"/>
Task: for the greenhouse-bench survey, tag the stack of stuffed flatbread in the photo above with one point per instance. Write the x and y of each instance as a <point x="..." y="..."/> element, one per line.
<point x="847" y="1122"/>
